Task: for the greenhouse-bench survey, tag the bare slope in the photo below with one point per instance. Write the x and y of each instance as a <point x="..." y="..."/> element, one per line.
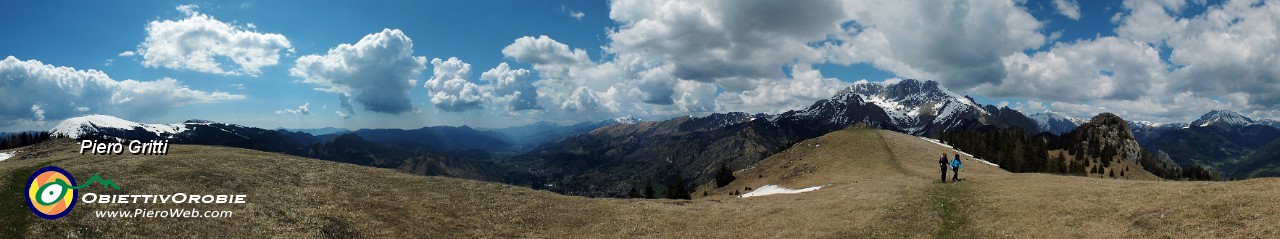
<point x="877" y="184"/>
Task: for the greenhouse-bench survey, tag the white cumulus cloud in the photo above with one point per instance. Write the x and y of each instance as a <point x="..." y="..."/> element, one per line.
<point x="305" y="109"/>
<point x="959" y="43"/>
<point x="1107" y="68"/>
<point x="37" y="113"/>
<point x="1068" y="8"/>
<point x="512" y="87"/>
<point x="34" y="90"/>
<point x="1229" y="48"/>
<point x="569" y="81"/>
<point x="199" y="42"/>
<point x="1216" y="59"/>
<point x="725" y="42"/>
<point x="378" y="72"/>
<point x="449" y="88"/>
<point x="807" y="86"/>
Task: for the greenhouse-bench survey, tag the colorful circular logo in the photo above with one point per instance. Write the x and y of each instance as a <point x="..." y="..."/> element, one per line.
<point x="51" y="192"/>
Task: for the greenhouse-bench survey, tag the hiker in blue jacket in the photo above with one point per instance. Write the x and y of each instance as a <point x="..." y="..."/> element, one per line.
<point x="955" y="168"/>
<point x="942" y="165"/>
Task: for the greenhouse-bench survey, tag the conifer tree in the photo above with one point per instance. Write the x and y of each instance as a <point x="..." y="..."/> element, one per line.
<point x="724" y="176"/>
<point x="648" y="190"/>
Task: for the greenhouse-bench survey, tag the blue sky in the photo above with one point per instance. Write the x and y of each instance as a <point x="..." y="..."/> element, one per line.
<point x="652" y="59"/>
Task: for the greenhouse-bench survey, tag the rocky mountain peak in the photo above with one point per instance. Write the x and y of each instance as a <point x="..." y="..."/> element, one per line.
<point x="916" y="107"/>
<point x="1108" y="119"/>
<point x="1106" y="130"/>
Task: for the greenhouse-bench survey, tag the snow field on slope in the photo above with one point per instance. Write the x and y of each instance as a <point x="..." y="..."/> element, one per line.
<point x="775" y="189"/>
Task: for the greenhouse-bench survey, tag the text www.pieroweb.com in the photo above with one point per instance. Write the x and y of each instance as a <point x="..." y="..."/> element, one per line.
<point x="166" y="213"/>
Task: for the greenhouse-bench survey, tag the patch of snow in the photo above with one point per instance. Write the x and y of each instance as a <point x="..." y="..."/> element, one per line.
<point x="631" y="119"/>
<point x="900" y="114"/>
<point x="8" y="155"/>
<point x="983" y="161"/>
<point x="965" y="154"/>
<point x="1147" y="123"/>
<point x="775" y="189"/>
<point x="961" y="98"/>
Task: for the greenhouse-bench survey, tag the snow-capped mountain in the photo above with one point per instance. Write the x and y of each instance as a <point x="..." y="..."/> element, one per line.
<point x="106" y="127"/>
<point x="911" y="106"/>
<point x="914" y="105"/>
<point x="1055" y="122"/>
<point x="1147" y="132"/>
<point x="838" y="112"/>
<point x="105" y="124"/>
<point x="1223" y="117"/>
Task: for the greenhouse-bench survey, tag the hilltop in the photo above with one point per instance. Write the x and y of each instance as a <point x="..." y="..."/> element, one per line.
<point x="874" y="183"/>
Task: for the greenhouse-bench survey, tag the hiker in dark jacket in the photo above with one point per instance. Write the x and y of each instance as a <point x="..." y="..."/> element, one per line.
<point x="942" y="164"/>
<point x="955" y="168"/>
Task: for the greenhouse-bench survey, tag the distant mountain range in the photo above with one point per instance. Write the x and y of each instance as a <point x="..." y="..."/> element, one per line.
<point x="460" y="151"/>
<point x="607" y="158"/>
<point x="1221" y="140"/>
<point x="533" y="135"/>
<point x="319" y="131"/>
<point x="439" y="138"/>
<point x="341" y="147"/>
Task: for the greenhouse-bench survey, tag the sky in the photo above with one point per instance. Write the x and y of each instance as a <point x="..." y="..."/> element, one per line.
<point x="489" y="64"/>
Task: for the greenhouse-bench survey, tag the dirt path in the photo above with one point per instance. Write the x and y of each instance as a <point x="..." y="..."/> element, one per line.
<point x="893" y="157"/>
<point x="954" y="205"/>
<point x="951" y="202"/>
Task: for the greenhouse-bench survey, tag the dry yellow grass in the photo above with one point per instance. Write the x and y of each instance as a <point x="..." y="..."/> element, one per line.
<point x="876" y="184"/>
